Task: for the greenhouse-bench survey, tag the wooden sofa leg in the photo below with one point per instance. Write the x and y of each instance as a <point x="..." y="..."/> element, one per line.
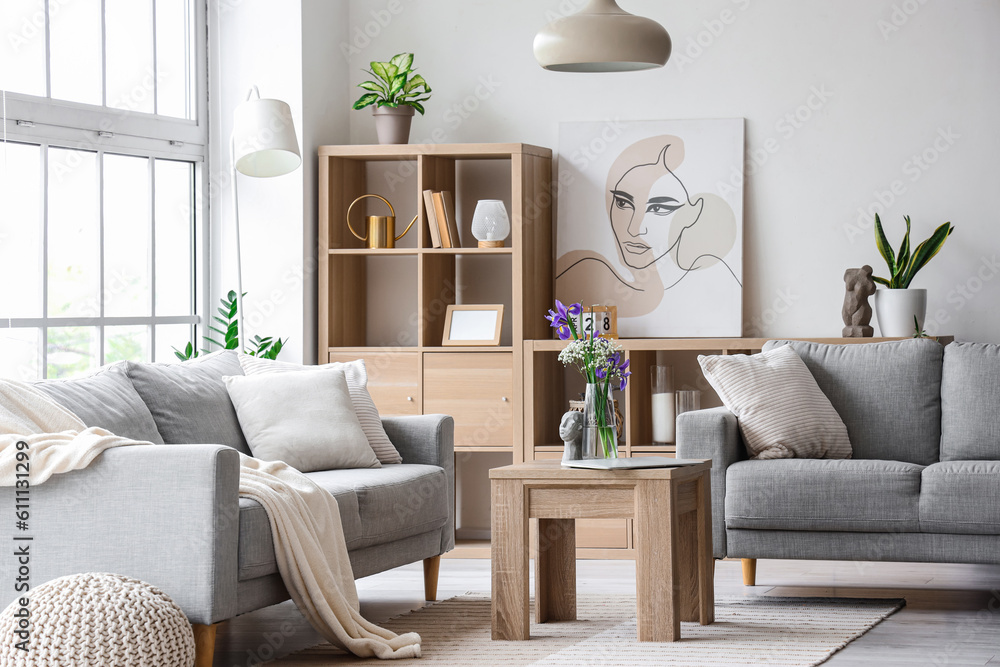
<point x="749" y="571"/>
<point x="431" y="568"/>
<point x="204" y="644"/>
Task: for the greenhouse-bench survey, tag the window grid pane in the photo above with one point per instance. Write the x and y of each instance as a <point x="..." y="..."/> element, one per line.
<point x="71" y="351"/>
<point x="127" y="252"/>
<point x="75" y="51"/>
<point x="74" y="234"/>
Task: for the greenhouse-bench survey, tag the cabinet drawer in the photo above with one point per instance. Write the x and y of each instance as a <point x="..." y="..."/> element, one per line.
<point x="393" y="380"/>
<point x="477" y="390"/>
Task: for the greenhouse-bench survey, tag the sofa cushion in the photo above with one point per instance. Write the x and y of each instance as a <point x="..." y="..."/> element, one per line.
<point x="970" y="395"/>
<point x="888" y="394"/>
<point x="256" y="546"/>
<point x="855" y="495"/>
<point x="106" y="399"/>
<point x="961" y="497"/>
<point x="306" y="420"/>
<point x="781" y="411"/>
<point x="189" y="401"/>
<point x="377" y="505"/>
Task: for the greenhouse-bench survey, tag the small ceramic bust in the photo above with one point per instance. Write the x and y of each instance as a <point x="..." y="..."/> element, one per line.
<point x="571" y="433"/>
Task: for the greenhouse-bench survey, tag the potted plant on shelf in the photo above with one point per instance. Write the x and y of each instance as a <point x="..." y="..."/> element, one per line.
<point x="394" y="94"/>
<point x="600" y="362"/>
<point x="899" y="307"/>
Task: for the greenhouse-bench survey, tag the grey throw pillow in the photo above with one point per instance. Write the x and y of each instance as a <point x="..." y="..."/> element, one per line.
<point x="970" y="396"/>
<point x="781" y="411"/>
<point x="189" y="401"/>
<point x="306" y="420"/>
<point x="105" y="399"/>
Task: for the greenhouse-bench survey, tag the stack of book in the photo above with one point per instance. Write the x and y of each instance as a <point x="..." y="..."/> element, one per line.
<point x="440" y="207"/>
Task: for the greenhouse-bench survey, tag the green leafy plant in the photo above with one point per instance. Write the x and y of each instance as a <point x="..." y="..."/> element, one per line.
<point x="917" y="331"/>
<point x="265" y="348"/>
<point x="904" y="264"/>
<point x="394" y="86"/>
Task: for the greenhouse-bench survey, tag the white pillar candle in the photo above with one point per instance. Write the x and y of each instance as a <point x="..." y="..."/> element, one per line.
<point x="664" y="417"/>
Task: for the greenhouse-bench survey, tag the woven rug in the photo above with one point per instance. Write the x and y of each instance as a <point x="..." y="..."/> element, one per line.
<point x="747" y="631"/>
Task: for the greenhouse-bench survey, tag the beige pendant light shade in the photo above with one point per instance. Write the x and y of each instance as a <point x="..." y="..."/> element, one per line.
<point x="602" y="37"/>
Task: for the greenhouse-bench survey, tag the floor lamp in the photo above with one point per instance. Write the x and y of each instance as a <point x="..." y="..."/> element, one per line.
<point x="263" y="145"/>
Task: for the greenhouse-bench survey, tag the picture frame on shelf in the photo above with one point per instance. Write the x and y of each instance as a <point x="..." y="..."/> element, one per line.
<point x="473" y="325"/>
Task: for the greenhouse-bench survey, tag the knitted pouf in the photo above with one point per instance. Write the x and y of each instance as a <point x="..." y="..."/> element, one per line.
<point x="98" y="619"/>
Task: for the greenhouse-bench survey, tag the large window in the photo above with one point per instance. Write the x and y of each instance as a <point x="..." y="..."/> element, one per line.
<point x="101" y="171"/>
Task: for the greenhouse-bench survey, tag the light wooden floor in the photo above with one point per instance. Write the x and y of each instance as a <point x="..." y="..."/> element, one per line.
<point x="952" y="615"/>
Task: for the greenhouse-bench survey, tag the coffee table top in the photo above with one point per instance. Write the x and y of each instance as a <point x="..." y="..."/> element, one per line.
<point x="552" y="470"/>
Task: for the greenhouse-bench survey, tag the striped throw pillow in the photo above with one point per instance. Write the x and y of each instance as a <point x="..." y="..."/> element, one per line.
<point x="782" y="412"/>
<point x="357" y="386"/>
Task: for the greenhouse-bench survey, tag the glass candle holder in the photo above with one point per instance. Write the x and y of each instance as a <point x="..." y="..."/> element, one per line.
<point x="664" y="408"/>
<point x="688" y="400"/>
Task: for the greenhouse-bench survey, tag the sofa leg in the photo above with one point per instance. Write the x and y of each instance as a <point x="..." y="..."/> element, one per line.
<point x="204" y="644"/>
<point x="431" y="568"/>
<point x="749" y="571"/>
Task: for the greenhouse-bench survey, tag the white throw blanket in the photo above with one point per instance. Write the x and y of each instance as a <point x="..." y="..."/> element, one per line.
<point x="305" y="522"/>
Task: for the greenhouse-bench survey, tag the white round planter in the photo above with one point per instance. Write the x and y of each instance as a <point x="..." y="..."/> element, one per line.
<point x="896" y="308"/>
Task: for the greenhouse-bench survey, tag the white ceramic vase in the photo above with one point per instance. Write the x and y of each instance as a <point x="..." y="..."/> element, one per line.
<point x="896" y="308"/>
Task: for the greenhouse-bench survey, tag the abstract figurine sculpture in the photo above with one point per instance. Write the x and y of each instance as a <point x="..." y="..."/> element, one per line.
<point x="856" y="312"/>
<point x="571" y="433"/>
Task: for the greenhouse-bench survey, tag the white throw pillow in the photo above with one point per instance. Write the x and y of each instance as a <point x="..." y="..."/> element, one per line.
<point x="305" y="420"/>
<point x="357" y="384"/>
<point x="782" y="412"/>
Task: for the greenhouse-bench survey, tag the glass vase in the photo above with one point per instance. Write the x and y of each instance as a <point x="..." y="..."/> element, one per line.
<point x="600" y="434"/>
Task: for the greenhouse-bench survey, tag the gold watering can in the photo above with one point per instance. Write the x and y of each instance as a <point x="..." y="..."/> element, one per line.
<point x="381" y="228"/>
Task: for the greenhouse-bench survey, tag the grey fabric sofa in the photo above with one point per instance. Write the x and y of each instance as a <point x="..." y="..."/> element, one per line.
<point x="924" y="481"/>
<point x="171" y="515"/>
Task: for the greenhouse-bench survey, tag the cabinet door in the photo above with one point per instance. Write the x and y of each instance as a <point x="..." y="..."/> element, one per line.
<point x="393" y="380"/>
<point x="477" y="390"/>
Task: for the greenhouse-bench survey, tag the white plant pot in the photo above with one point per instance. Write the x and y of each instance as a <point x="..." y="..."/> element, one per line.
<point x="896" y="308"/>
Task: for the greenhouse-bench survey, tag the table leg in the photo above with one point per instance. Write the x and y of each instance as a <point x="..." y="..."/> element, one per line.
<point x="509" y="560"/>
<point x="656" y="566"/>
<point x="706" y="562"/>
<point x="555" y="571"/>
<point x="689" y="599"/>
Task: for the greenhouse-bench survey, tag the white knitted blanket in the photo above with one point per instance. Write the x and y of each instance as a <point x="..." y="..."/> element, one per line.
<point x="305" y="522"/>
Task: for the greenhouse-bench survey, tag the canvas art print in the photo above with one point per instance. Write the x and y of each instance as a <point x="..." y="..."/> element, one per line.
<point x="650" y="219"/>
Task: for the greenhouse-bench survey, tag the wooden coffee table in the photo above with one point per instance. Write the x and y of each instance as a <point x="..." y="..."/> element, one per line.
<point x="671" y="508"/>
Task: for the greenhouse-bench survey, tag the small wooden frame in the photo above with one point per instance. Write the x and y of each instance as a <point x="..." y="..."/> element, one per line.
<point x="473" y="325"/>
<point x="605" y="316"/>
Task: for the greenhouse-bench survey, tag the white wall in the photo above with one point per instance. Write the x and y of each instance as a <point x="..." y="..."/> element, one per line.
<point x="290" y="50"/>
<point x="886" y="87"/>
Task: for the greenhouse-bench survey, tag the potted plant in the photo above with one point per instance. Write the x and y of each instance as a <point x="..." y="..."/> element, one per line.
<point x="899" y="307"/>
<point x="393" y="95"/>
<point x="602" y="365"/>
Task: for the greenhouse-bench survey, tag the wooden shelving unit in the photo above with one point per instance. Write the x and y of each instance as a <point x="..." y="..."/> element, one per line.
<point x="481" y="387"/>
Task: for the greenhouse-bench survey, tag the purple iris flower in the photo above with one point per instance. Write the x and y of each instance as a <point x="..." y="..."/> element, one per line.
<point x="621" y="385"/>
<point x="600" y="373"/>
<point x="564" y="332"/>
<point x="574" y="309"/>
<point x="615" y="358"/>
<point x="623" y="366"/>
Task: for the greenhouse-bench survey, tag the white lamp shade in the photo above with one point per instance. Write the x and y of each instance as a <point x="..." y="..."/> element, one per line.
<point x="490" y="221"/>
<point x="264" y="142"/>
<point x="602" y="37"/>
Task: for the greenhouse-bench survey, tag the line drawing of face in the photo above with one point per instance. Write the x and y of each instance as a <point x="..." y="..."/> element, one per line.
<point x="645" y="205"/>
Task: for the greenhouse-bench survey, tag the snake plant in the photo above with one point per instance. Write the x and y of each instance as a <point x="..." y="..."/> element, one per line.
<point x="905" y="264"/>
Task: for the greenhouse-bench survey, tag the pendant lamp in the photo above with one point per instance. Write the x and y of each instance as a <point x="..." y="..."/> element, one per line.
<point x="602" y="37"/>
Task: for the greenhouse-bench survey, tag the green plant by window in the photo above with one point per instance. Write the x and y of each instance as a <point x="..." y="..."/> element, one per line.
<point x="393" y="86"/>
<point x="265" y="348"/>
<point x="904" y="264"/>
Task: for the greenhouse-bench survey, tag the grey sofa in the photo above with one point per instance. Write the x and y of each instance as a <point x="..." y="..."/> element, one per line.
<point x="924" y="481"/>
<point x="171" y="515"/>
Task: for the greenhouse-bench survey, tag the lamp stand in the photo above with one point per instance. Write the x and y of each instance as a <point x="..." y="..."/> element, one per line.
<point x="239" y="254"/>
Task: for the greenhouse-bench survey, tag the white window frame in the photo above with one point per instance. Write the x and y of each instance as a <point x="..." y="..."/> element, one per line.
<point x="48" y="123"/>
